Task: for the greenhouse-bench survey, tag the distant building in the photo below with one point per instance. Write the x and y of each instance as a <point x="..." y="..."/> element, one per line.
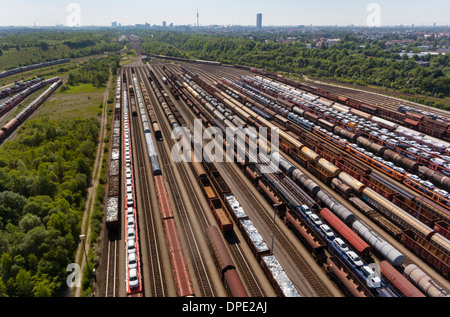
<point x="164" y="24"/>
<point x="198" y="18"/>
<point x="259" y="20"/>
<point x="114" y="24"/>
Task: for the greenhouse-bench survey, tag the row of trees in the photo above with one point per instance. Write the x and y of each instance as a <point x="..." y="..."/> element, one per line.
<point x="350" y="60"/>
<point x="44" y="177"/>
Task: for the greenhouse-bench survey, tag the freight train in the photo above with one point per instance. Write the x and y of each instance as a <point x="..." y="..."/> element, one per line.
<point x="133" y="261"/>
<point x="312" y="122"/>
<point x="443" y="245"/>
<point x="382" y="247"/>
<point x="12" y="102"/>
<point x="34" y="66"/>
<point x="435" y="127"/>
<point x="278" y="278"/>
<point x="18" y="87"/>
<point x="259" y="251"/>
<point x="225" y="264"/>
<point x="180" y="271"/>
<point x="14" y="123"/>
<point x="113" y="202"/>
<point x="380" y="202"/>
<point x="151" y="112"/>
<point x="186" y="60"/>
<point x="151" y="148"/>
<point x="394" y="259"/>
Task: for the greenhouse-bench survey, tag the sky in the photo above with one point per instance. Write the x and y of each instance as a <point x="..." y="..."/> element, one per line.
<point x="229" y="12"/>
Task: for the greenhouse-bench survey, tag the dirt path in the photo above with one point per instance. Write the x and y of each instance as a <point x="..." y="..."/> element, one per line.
<point x="85" y="226"/>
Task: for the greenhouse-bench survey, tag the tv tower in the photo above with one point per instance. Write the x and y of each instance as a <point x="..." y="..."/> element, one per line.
<point x="198" y="16"/>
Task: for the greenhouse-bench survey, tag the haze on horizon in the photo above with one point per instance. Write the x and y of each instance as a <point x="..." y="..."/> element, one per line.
<point x="231" y="12"/>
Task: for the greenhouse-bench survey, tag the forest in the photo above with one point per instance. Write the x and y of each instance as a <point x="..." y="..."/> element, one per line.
<point x="95" y="71"/>
<point x="351" y="60"/>
<point x="44" y="176"/>
<point x="20" y="47"/>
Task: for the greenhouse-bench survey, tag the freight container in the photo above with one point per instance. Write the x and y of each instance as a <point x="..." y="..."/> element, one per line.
<point x="337" y="208"/>
<point x="220" y="251"/>
<point x="346" y="232"/>
<point x="310" y="154"/>
<point x="416" y="210"/>
<point x="326" y="125"/>
<point x="395" y="214"/>
<point x="362" y="114"/>
<point x="443" y="228"/>
<point x="400" y="282"/>
<point x="311" y="117"/>
<point x="253" y="238"/>
<point x="223" y="219"/>
<point x="277" y="276"/>
<point x="331" y="168"/>
<point x="386" y="191"/>
<point x="425" y="282"/>
<point x="320" y="172"/>
<point x="427" y="251"/>
<point x="392" y="255"/>
<point x="313" y="241"/>
<point x="341" y="187"/>
<point x="437" y="178"/>
<point x="356" y="185"/>
<point x="112" y="213"/>
<point x="347" y="278"/>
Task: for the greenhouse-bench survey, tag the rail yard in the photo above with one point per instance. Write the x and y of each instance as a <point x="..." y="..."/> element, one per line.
<point x="187" y="158"/>
<point x="359" y="206"/>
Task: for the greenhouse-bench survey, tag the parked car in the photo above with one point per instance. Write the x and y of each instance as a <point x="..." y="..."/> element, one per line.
<point x="133" y="278"/>
<point x="327" y="231"/>
<point x="414" y="177"/>
<point x="315" y="219"/>
<point x="306" y="209"/>
<point x="131" y="246"/>
<point x="354" y="258"/>
<point x="341" y="245"/>
<point x="132" y="260"/>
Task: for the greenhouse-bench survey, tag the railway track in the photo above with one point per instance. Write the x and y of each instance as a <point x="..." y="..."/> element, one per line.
<point x="373" y="90"/>
<point x="400" y="187"/>
<point x="147" y="211"/>
<point x="112" y="275"/>
<point x="234" y="244"/>
<point x="317" y="288"/>
<point x="213" y="77"/>
<point x="381" y="100"/>
<point x="199" y="266"/>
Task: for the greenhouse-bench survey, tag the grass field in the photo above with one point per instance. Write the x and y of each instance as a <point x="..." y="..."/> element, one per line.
<point x="81" y="101"/>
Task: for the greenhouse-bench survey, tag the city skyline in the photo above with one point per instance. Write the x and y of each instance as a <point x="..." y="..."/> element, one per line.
<point x="284" y="13"/>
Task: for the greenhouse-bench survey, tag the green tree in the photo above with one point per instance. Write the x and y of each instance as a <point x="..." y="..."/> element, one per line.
<point x="24" y="284"/>
<point x="43" y="288"/>
<point x="29" y="221"/>
<point x="11" y="206"/>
